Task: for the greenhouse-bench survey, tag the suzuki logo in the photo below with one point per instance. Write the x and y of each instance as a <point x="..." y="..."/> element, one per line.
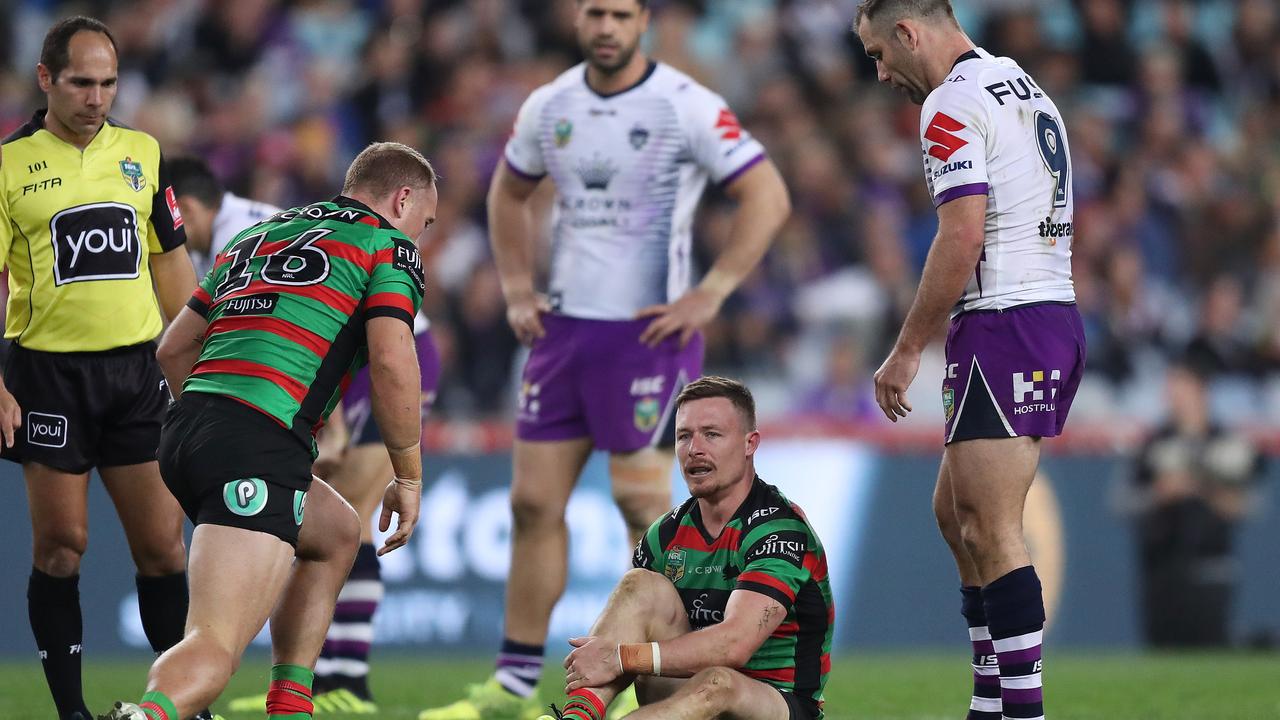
<point x="939" y="133"/>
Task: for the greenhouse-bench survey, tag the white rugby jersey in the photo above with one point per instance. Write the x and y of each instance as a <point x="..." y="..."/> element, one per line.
<point x="236" y="214"/>
<point x="629" y="170"/>
<point x="990" y="129"/>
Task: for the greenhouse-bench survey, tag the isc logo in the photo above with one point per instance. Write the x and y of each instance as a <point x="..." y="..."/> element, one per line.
<point x="647" y="386"/>
<point x="95" y="242"/>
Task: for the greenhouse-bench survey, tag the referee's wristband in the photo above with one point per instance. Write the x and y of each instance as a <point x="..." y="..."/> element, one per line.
<point x="640" y="659"/>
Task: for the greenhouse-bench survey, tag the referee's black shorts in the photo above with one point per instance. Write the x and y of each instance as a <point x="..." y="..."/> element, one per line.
<point x="82" y="410"/>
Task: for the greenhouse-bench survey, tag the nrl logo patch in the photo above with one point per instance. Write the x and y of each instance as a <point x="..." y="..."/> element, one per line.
<point x="564" y="132"/>
<point x="646" y="414"/>
<point x="132" y="172"/>
<point x="948" y="403"/>
<point x="675" y="564"/>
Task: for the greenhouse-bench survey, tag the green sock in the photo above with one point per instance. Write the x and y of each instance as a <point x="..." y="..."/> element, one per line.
<point x="289" y="697"/>
<point x="158" y="706"/>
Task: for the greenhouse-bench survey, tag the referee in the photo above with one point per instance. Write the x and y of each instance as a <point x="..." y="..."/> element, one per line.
<point x="88" y="223"/>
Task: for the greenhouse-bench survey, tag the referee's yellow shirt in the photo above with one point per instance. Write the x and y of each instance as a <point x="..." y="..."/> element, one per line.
<point x="76" y="229"/>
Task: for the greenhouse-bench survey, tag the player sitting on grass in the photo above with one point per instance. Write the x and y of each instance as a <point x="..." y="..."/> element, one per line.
<point x="728" y="609"/>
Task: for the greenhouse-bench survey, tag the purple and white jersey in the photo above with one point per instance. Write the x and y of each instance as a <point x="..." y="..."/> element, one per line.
<point x="629" y="169"/>
<point x="235" y="214"/>
<point x="989" y="129"/>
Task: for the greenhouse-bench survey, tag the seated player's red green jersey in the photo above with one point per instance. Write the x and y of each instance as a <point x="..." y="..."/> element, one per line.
<point x="767" y="547"/>
<point x="287" y="302"/>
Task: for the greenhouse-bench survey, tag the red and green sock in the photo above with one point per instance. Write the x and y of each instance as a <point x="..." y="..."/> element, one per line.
<point x="583" y="705"/>
<point x="289" y="696"/>
<point x="158" y="706"/>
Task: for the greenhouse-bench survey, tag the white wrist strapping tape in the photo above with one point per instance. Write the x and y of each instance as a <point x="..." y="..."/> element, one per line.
<point x="657" y="659"/>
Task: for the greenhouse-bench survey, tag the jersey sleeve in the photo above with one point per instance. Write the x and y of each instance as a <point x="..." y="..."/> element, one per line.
<point x="648" y="554"/>
<point x="166" y="219"/>
<point x="717" y="140"/>
<point x="202" y="298"/>
<point x="954" y="127"/>
<point x="774" y="560"/>
<point x="396" y="283"/>
<point x="524" y="152"/>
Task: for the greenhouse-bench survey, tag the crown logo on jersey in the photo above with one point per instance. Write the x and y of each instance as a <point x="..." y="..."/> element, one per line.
<point x="564" y="132"/>
<point x="597" y="172"/>
<point x="132" y="172"/>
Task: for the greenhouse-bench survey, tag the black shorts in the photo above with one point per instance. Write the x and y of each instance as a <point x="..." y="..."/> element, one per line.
<point x="83" y="410"/>
<point x="229" y="464"/>
<point x="800" y="708"/>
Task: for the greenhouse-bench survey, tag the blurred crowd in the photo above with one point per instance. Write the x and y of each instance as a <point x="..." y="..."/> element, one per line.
<point x="1172" y="108"/>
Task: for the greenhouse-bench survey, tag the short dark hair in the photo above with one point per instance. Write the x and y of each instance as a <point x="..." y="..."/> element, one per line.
<point x="56" y="53"/>
<point x="191" y="176"/>
<point x="642" y="3"/>
<point x="384" y="167"/>
<point x="713" y="387"/>
<point x="895" y="10"/>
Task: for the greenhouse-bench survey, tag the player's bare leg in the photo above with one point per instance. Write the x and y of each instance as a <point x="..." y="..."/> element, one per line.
<point x="984" y="703"/>
<point x="59" y="506"/>
<point x="361" y="479"/>
<point x="236" y="578"/>
<point x="989" y="481"/>
<point x="545" y="474"/>
<point x="342" y="671"/>
<point x="718" y="692"/>
<point x="327" y="544"/>
<point x="643" y="607"/>
<point x="641" y="484"/>
<point x="150" y="515"/>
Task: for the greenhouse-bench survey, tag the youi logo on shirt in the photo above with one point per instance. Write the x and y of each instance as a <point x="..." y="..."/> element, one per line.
<point x="98" y="241"/>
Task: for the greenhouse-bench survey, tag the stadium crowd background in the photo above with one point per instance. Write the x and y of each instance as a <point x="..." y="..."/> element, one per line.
<point x="1173" y="110"/>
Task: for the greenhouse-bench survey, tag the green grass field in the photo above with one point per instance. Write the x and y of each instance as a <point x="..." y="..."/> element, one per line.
<point x="861" y="687"/>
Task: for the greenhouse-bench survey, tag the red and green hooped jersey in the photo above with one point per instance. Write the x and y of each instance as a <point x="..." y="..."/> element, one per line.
<point x="287" y="301"/>
<point x="768" y="547"/>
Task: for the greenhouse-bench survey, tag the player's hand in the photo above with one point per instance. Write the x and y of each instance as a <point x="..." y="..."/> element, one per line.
<point x="10" y="417"/>
<point x="686" y="315"/>
<point x="404" y="498"/>
<point x="524" y="314"/>
<point x="593" y="662"/>
<point x="892" y="380"/>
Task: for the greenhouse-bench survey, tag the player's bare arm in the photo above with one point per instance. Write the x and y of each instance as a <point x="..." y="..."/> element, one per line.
<point x="394" y="374"/>
<point x="180" y="348"/>
<point x="749" y="619"/>
<point x="762" y="207"/>
<point x="511" y="237"/>
<point x="951" y="262"/>
<point x="175" y="279"/>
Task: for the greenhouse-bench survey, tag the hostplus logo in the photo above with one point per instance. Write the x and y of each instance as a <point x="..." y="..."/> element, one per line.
<point x="1028" y="393"/>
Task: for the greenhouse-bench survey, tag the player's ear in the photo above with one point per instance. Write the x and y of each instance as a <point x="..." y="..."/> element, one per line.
<point x="753" y="442"/>
<point x="906" y="34"/>
<point x="402" y="201"/>
<point x="44" y="78"/>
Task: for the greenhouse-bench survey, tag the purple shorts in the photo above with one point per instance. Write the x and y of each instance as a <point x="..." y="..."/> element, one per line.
<point x="593" y="378"/>
<point x="1012" y="373"/>
<point x="357" y="409"/>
